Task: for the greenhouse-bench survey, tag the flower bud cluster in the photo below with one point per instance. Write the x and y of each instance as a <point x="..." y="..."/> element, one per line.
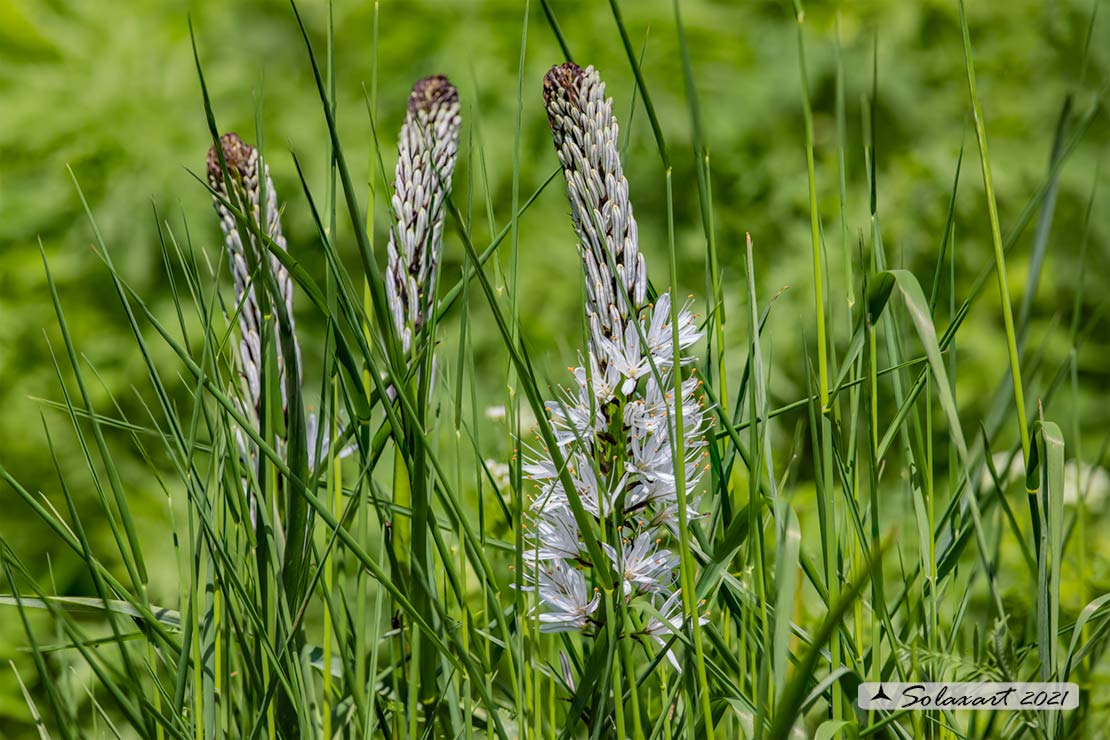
<point x="427" y="150"/>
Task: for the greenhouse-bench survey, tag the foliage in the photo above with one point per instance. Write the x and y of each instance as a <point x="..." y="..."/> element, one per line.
<point x="882" y="530"/>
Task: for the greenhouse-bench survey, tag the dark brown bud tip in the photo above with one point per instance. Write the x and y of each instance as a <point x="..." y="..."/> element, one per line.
<point x="561" y="81"/>
<point x="236" y="155"/>
<point x="431" y="92"/>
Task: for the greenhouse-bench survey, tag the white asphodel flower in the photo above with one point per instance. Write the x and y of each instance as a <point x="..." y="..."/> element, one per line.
<point x="651" y="424"/>
<point x="626" y="357"/>
<point x="597" y="492"/>
<point x="644" y="567"/>
<point x="667" y="517"/>
<point x="657" y="333"/>
<point x="652" y="409"/>
<point x="539" y="467"/>
<point x="565" y="597"/>
<point x="588" y="487"/>
<point x="602" y="378"/>
<point x="672" y="622"/>
<point x="575" y="416"/>
<point x="556" y="536"/>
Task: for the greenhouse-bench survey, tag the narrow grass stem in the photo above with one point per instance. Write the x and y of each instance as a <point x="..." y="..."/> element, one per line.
<point x="814" y="224"/>
<point x="996" y="239"/>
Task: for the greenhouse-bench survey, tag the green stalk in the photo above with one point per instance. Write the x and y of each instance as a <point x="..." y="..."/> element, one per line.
<point x="423" y="561"/>
<point x="630" y="678"/>
<point x="689" y="604"/>
<point x="826" y="486"/>
<point x="524" y="687"/>
<point x="362" y="675"/>
<point x="334" y="481"/>
<point x="996" y="239"/>
<point x="715" y="299"/>
<point x="814" y="222"/>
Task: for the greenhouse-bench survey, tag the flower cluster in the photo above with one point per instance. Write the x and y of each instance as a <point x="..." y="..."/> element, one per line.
<point x="617" y="425"/>
<point x="427" y="150"/>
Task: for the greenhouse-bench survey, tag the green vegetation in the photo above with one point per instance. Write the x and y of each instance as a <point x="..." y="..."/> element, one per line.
<point x="922" y="187"/>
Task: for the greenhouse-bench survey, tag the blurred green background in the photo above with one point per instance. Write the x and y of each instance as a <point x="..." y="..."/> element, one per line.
<point x="110" y="91"/>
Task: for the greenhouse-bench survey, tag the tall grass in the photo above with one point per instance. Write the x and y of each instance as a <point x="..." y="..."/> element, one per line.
<point x="365" y="568"/>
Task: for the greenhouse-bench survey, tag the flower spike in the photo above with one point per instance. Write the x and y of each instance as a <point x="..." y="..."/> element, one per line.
<point x="251" y="192"/>
<point x="616" y="427"/>
<point x="248" y="187"/>
<point x="586" y="136"/>
<point x="427" y="151"/>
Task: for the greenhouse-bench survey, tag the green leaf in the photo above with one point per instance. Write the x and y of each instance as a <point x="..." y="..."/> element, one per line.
<point x="1085" y="616"/>
<point x="84" y="605"/>
<point x="1046" y="473"/>
<point x="787" y="709"/>
<point x="829" y="729"/>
